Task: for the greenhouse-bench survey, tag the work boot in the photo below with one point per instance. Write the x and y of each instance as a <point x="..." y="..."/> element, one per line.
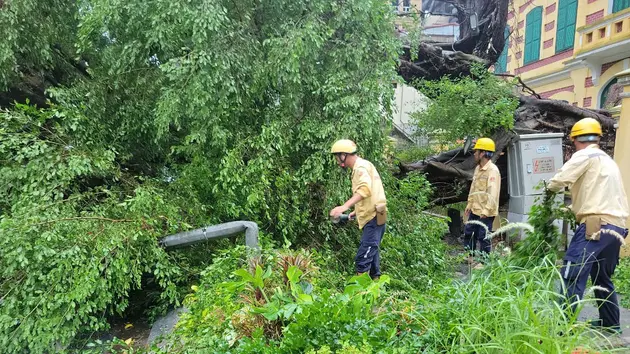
<point x="478" y="266"/>
<point x="613" y="330"/>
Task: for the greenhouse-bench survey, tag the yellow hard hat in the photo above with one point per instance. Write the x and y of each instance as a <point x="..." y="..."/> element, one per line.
<point x="485" y="144"/>
<point x="586" y="126"/>
<point x="344" y="146"/>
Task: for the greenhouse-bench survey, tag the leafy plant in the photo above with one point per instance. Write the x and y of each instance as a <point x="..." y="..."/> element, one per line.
<point x="469" y="106"/>
<point x="412" y="249"/>
<point x="622" y="281"/>
<point x="188" y="114"/>
<point x="289" y="317"/>
<point x="545" y="240"/>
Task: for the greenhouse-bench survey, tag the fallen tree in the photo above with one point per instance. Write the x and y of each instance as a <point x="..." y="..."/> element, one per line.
<point x="451" y="171"/>
<point x="58" y="65"/>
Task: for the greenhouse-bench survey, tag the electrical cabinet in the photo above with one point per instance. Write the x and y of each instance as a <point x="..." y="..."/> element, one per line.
<point x="532" y="158"/>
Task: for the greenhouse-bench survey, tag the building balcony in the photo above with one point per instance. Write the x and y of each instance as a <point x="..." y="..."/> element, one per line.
<point x="603" y="41"/>
<point x="604" y="32"/>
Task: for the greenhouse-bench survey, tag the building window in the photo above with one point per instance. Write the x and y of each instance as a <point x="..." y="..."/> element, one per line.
<point x="395" y="6"/>
<point x="533" y="28"/>
<point x="604" y="95"/>
<point x="619" y="5"/>
<point x="406" y="5"/>
<point x="619" y="27"/>
<point x="501" y="65"/>
<point x="565" y="33"/>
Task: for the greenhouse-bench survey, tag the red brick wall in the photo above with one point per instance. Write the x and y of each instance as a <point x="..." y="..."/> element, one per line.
<point x="588" y="82"/>
<point x="549" y="26"/>
<point x="607" y="66"/>
<point x="548" y="43"/>
<point x="587" y="101"/>
<point x="550" y="9"/>
<point x="550" y="93"/>
<point x="523" y="7"/>
<point x="594" y="17"/>
<point x="546" y="61"/>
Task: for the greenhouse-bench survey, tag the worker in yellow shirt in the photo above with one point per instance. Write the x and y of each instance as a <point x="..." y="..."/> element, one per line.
<point x="600" y="206"/>
<point x="368" y="198"/>
<point x="483" y="198"/>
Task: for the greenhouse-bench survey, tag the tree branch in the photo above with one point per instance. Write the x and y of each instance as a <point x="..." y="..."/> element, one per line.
<point x="523" y="85"/>
<point x="81" y="218"/>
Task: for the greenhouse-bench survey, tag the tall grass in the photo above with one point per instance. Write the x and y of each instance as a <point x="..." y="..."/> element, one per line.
<point x="505" y="309"/>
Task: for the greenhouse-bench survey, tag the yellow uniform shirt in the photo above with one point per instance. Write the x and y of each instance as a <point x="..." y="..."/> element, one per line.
<point x="595" y="183"/>
<point x="483" y="198"/>
<point x="366" y="182"/>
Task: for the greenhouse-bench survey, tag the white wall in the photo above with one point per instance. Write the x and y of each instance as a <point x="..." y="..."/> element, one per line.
<point x="407" y="100"/>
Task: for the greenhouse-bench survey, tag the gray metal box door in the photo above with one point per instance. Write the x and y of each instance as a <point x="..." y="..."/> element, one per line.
<point x="533" y="158"/>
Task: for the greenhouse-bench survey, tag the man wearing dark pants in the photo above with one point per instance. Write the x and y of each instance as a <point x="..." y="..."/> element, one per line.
<point x="483" y="198"/>
<point x="474" y="233"/>
<point x="370" y="206"/>
<point x="601" y="208"/>
<point x="368" y="256"/>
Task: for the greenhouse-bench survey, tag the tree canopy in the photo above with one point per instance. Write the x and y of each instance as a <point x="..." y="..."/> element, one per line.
<point x="154" y="117"/>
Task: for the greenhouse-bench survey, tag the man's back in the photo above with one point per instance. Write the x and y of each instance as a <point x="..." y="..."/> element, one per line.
<point x="596" y="186"/>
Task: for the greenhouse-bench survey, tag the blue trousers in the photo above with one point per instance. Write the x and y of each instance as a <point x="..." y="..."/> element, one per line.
<point x="369" y="256"/>
<point x="474" y="233"/>
<point x="597" y="259"/>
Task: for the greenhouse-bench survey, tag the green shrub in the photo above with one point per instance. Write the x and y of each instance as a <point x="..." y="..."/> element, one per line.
<point x="412" y="250"/>
<point x="467" y="106"/>
<point x="275" y="305"/>
<point x="545" y="240"/>
<point x="622" y="281"/>
<point x="62" y="269"/>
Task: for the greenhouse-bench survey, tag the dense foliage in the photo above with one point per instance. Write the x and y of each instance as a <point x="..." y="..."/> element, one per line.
<point x="166" y="116"/>
<point x="188" y="114"/>
<point x="622" y="281"/>
<point x="468" y="106"/>
<point x="279" y="303"/>
<point x="545" y="241"/>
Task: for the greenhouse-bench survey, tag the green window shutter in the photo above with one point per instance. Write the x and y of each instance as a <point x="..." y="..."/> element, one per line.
<point x="501" y="65"/>
<point x="619" y="5"/>
<point x="561" y="24"/>
<point x="532" y="35"/>
<point x="565" y="33"/>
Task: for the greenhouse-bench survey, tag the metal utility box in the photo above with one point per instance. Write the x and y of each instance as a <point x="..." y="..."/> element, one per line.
<point x="532" y="158"/>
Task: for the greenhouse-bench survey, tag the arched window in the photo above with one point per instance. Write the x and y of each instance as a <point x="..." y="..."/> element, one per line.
<point x="532" y="35"/>
<point x="565" y="33"/>
<point x="604" y="95"/>
<point x="501" y="65"/>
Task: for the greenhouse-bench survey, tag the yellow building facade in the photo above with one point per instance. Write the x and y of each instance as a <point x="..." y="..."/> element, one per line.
<point x="568" y="50"/>
<point x="574" y="50"/>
